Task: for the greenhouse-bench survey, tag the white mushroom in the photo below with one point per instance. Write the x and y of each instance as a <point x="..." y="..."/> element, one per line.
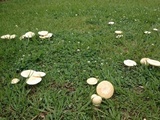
<point x="15" y="81"/>
<point x="110" y="23"/>
<point x="5" y="36"/>
<point x="105" y="89"/>
<point x="96" y="100"/>
<point x="147" y="32"/>
<point x="29" y="34"/>
<point x="22" y="37"/>
<point x="33" y="80"/>
<point x="119" y="36"/>
<point x="27" y="73"/>
<point x="12" y="36"/>
<point x="118" y="32"/>
<point x="43" y="33"/>
<point x="92" y="81"/>
<point x="153" y="62"/>
<point x="155" y="29"/>
<point x="129" y="63"/>
<point x="49" y="35"/>
<point x="143" y="61"/>
<point x="38" y="74"/>
<point x="94" y="95"/>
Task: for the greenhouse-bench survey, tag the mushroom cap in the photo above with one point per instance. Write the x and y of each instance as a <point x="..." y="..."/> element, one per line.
<point x="12" y="36"/>
<point x="42" y="33"/>
<point x="33" y="80"/>
<point x="29" y="34"/>
<point x="92" y="81"/>
<point x="49" y="35"/>
<point x="155" y="29"/>
<point x="94" y="95"/>
<point x="38" y="74"/>
<point x="111" y="23"/>
<point x="143" y="61"/>
<point x="15" y="81"/>
<point x="105" y="89"/>
<point x="129" y="63"/>
<point x="27" y="73"/>
<point x="147" y="32"/>
<point x="5" y="36"/>
<point x="153" y="62"/>
<point x="118" y="32"/>
<point x="97" y="100"/>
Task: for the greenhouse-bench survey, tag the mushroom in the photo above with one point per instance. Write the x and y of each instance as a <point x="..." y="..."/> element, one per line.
<point x="143" y="61"/>
<point x="5" y="36"/>
<point x="147" y="32"/>
<point x="96" y="100"/>
<point x="119" y="36"/>
<point x="29" y="34"/>
<point x="49" y="35"/>
<point x="110" y="23"/>
<point x="93" y="95"/>
<point x="153" y="62"/>
<point x="43" y="33"/>
<point x="155" y="29"/>
<point x="105" y="89"/>
<point x="27" y="73"/>
<point x="12" y="36"/>
<point x="15" y="81"/>
<point x="118" y="32"/>
<point x="33" y="80"/>
<point x="129" y="63"/>
<point x="38" y="74"/>
<point x="92" y="81"/>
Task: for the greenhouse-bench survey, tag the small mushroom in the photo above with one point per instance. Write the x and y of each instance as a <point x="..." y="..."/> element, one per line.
<point x="119" y="36"/>
<point x="129" y="63"/>
<point x="42" y="33"/>
<point x="27" y="73"/>
<point x="38" y="74"/>
<point x="96" y="100"/>
<point x="92" y="81"/>
<point x="33" y="80"/>
<point x="155" y="29"/>
<point x="15" y="81"/>
<point x="153" y="62"/>
<point x="29" y="34"/>
<point x="5" y="36"/>
<point x="49" y="35"/>
<point x="105" y="89"/>
<point x="118" y="32"/>
<point x="143" y="61"/>
<point x="147" y="32"/>
<point x="12" y="36"/>
<point x="94" y="95"/>
<point x="110" y="23"/>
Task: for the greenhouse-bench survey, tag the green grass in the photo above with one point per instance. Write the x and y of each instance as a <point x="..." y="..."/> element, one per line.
<point x="83" y="46"/>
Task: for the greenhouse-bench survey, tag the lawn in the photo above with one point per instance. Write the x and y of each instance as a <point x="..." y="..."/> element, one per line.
<point x="83" y="46"/>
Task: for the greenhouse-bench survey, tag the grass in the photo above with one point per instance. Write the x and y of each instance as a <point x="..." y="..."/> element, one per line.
<point x="83" y="46"/>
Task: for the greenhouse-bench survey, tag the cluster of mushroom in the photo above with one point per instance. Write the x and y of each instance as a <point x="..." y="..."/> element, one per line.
<point x="44" y="34"/>
<point x="148" y="61"/>
<point x="32" y="77"/>
<point x="8" y="36"/>
<point x="29" y="34"/>
<point x="104" y="90"/>
<point x="119" y="33"/>
<point x="144" y="61"/>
